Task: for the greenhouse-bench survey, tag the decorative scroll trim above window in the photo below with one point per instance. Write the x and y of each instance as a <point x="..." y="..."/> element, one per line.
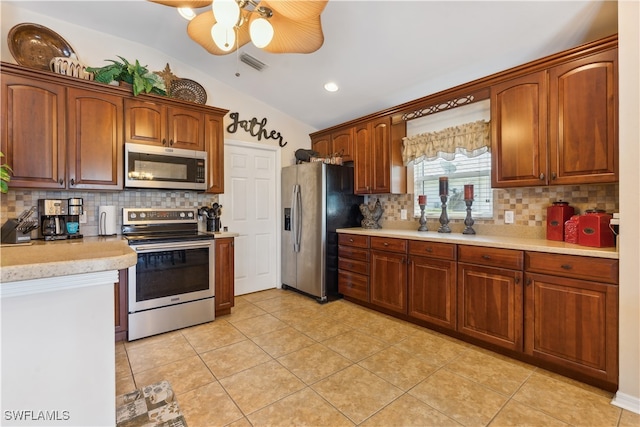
<point x="472" y="139"/>
<point x="432" y="109"/>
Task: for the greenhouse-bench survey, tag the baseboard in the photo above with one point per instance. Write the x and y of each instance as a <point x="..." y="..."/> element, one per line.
<point x="624" y="401"/>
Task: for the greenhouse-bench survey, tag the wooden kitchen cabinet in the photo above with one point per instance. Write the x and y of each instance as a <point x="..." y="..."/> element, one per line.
<point x="155" y="123"/>
<point x="121" y="307"/>
<point x="76" y="143"/>
<point x="490" y="295"/>
<point x="224" y="275"/>
<point x="339" y="142"/>
<point x="214" y="144"/>
<point x="94" y="137"/>
<point x="372" y="157"/>
<point x="432" y="283"/>
<point x="576" y="143"/>
<point x="388" y="279"/>
<point x="571" y="313"/>
<point x="353" y="266"/>
<point x="35" y="149"/>
<point x="321" y="144"/>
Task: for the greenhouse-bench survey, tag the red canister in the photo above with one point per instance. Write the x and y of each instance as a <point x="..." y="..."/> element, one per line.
<point x="571" y="229"/>
<point x="593" y="229"/>
<point x="557" y="214"/>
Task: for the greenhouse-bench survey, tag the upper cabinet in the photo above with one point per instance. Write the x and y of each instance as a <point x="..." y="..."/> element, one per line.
<point x="557" y="126"/>
<point x="339" y="142"/>
<point x="77" y="141"/>
<point x="158" y="124"/>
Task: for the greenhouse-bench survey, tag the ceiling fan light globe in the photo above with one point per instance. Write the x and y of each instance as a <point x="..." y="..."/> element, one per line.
<point x="224" y="38"/>
<point x="261" y="32"/>
<point x="226" y="12"/>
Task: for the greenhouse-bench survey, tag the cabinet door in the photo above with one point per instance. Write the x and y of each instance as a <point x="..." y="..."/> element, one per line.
<point x="322" y="145"/>
<point x="363" y="172"/>
<point x="185" y="128"/>
<point x="95" y="140"/>
<point x="224" y="271"/>
<point x="144" y="122"/>
<point x="342" y="143"/>
<point x="353" y="285"/>
<point x="519" y="132"/>
<point x="388" y="280"/>
<point x="583" y="120"/>
<point x="380" y="151"/>
<point x="120" y="305"/>
<point x="214" y="144"/>
<point x="573" y="323"/>
<point x="33" y="134"/>
<point x="490" y="305"/>
<point x="432" y="291"/>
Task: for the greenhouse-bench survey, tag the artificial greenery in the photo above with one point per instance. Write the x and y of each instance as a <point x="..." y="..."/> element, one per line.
<point x="5" y="175"/>
<point x="138" y="76"/>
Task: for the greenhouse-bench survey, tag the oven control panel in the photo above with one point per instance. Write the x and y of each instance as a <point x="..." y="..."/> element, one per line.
<point x="159" y="216"/>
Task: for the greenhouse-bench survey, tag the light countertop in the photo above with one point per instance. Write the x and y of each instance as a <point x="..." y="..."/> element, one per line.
<point x="41" y="259"/>
<point x="520" y="243"/>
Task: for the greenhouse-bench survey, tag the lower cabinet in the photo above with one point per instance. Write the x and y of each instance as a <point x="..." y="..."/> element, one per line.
<point x="120" y="304"/>
<point x="353" y="266"/>
<point x="432" y="283"/>
<point x="224" y="275"/>
<point x="573" y="322"/>
<point x="388" y="280"/>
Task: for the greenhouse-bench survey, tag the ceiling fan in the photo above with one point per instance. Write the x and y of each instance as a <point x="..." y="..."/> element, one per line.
<point x="276" y="26"/>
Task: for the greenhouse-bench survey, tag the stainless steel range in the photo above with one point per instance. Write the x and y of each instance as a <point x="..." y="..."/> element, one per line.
<point x="172" y="284"/>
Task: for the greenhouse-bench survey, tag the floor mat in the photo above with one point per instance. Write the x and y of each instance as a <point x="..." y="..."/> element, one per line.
<point x="154" y="405"/>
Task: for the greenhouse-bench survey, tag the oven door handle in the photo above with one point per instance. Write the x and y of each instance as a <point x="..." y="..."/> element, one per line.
<point x="171" y="246"/>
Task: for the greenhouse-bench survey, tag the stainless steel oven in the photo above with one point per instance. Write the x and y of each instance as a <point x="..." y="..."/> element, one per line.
<point x="172" y="284"/>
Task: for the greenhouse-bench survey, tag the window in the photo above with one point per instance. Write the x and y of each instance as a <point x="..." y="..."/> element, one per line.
<point x="459" y="168"/>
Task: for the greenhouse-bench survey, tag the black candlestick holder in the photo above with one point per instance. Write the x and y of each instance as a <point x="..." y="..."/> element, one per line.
<point x="444" y="218"/>
<point x="468" y="221"/>
<point x="423" y="220"/>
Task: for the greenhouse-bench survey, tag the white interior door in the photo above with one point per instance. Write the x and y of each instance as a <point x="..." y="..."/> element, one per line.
<point x="249" y="208"/>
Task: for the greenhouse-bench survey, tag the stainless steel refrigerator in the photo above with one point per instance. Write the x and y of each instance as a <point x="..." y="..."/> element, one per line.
<point x="317" y="199"/>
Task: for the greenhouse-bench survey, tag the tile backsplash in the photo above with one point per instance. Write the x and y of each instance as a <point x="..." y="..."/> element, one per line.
<point x="15" y="201"/>
<point x="529" y="205"/>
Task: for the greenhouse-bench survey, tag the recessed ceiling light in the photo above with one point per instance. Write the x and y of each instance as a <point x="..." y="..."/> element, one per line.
<point x="187" y="13"/>
<point x="331" y="87"/>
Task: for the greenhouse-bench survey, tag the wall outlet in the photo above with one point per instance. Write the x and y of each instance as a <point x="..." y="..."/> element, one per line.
<point x="83" y="218"/>
<point x="403" y="214"/>
<point x="508" y="217"/>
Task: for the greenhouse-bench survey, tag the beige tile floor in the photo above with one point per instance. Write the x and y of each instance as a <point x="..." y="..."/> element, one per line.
<point x="281" y="359"/>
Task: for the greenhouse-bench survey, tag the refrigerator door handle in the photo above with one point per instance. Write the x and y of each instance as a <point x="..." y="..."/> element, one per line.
<point x="298" y="215"/>
<point x="295" y="220"/>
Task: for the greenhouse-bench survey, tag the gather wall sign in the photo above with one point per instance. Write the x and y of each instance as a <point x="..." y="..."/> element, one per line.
<point x="255" y="127"/>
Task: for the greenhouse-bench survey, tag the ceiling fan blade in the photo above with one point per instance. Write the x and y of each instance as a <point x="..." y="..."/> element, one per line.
<point x="294" y="36"/>
<point x="199" y="29"/>
<point x="193" y="4"/>
<point x="298" y="9"/>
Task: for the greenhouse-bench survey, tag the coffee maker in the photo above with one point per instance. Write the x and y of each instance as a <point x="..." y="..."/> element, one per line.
<point x="59" y="218"/>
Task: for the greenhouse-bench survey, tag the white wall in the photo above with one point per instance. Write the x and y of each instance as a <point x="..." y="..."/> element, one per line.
<point x="628" y="395"/>
<point x="93" y="47"/>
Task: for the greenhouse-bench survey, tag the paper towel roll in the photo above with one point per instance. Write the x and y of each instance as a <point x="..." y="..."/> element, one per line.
<point x="107" y="221"/>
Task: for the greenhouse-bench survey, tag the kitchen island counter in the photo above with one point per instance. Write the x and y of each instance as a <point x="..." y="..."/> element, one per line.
<point x="40" y="259"/>
<point x="504" y="242"/>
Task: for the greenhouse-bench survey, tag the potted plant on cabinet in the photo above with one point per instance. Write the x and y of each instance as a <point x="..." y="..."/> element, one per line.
<point x="138" y="76"/>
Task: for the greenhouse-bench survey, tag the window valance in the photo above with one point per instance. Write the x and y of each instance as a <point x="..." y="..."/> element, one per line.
<point x="471" y="139"/>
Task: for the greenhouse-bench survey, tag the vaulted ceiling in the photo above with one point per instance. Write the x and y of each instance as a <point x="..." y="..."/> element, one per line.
<point x="381" y="53"/>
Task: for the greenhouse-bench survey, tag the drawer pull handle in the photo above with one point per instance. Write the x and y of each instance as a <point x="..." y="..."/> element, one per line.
<point x="386" y="244"/>
<point x="351" y="240"/>
<point x="429" y="250"/>
<point x="566" y="266"/>
<point x="486" y="256"/>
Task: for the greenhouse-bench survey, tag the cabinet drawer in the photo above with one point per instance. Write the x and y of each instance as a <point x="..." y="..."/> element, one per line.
<point x="432" y="249"/>
<point x="353" y="240"/>
<point x="355" y="253"/>
<point x="389" y="244"/>
<point x="502" y="258"/>
<point x="579" y="267"/>
<point x="356" y="266"/>
<point x="353" y="285"/>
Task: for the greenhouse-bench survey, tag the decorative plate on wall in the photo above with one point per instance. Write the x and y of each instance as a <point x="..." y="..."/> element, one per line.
<point x="188" y="90"/>
<point x="34" y="45"/>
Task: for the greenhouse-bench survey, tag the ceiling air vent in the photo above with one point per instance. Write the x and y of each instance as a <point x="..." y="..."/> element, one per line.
<point x="252" y="62"/>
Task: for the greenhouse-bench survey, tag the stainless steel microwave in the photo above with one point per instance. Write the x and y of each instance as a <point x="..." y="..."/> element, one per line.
<point x="149" y="166"/>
